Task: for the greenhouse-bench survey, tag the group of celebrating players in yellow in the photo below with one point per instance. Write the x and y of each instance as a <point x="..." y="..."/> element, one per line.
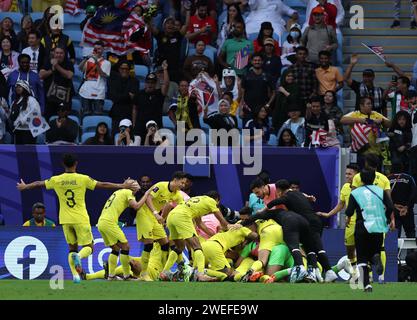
<point x="250" y="250"/>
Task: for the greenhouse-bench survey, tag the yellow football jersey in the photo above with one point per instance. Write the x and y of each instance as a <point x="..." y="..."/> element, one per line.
<point x="197" y="206"/>
<point x="231" y="238"/>
<point x="344" y="196"/>
<point x="70" y="189"/>
<point x="262" y="224"/>
<point x="116" y="204"/>
<point x="162" y="195"/>
<point x="381" y="181"/>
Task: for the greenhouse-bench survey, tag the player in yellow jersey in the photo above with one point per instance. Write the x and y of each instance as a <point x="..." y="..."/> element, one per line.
<point x="180" y="223"/>
<point x="70" y="187"/>
<point x="149" y="219"/>
<point x="112" y="234"/>
<point x="372" y="163"/>
<point x="351" y="171"/>
<point x="215" y="249"/>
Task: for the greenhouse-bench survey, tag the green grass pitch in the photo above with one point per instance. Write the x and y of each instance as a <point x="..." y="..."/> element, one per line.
<point x="103" y="290"/>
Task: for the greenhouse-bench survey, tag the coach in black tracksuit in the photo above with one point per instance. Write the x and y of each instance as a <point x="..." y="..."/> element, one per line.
<point x="297" y="202"/>
<point x="295" y="230"/>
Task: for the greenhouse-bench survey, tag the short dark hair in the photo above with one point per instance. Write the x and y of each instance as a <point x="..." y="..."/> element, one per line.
<point x="69" y="159"/>
<point x="367" y="176"/>
<point x="228" y="93"/>
<point x="362" y="100"/>
<point x="265" y="176"/>
<point x="282" y="184"/>
<point x="213" y="194"/>
<point x="201" y="3"/>
<point x="406" y="80"/>
<point x="178" y="175"/>
<point x="257" y="54"/>
<point x="257" y="183"/>
<point x="189" y="176"/>
<point x="353" y="166"/>
<point x="301" y="48"/>
<point x="35" y="32"/>
<point x="315" y="99"/>
<point x="22" y="56"/>
<point x="294" y="181"/>
<point x="325" y="53"/>
<point x="245" y="211"/>
<point x="372" y="161"/>
<point x="38" y="205"/>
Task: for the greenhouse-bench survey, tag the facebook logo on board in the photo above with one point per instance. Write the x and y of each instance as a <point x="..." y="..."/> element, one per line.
<point x="26" y="258"/>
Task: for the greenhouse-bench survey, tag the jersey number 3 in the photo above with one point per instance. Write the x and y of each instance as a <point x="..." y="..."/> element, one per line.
<point x="70" y="198"/>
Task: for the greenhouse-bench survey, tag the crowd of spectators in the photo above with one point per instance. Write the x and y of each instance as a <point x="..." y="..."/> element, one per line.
<point x="273" y="69"/>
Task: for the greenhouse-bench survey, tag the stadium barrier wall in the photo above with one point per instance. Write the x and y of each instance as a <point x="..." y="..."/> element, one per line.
<point x="31" y="252"/>
<point x="317" y="169"/>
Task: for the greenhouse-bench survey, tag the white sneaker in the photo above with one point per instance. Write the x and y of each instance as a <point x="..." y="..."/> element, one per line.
<point x="76" y="279"/>
<point x="319" y="277"/>
<point x="298" y="273"/>
<point x="346" y="266"/>
<point x="114" y="278"/>
<point x="381" y="279"/>
<point x="330" y="276"/>
<point x="311" y="275"/>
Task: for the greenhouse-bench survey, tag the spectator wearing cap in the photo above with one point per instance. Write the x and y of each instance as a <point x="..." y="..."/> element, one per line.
<point x="149" y="103"/>
<point x="152" y="136"/>
<point x="24" y="73"/>
<point x="21" y="108"/>
<point x="319" y="36"/>
<point x="35" y="51"/>
<point x="257" y="87"/>
<point x="90" y="11"/>
<point x="273" y="11"/>
<point x="266" y="32"/>
<point x="202" y="26"/>
<point x="122" y="88"/>
<point x="57" y="72"/>
<point x="232" y="46"/>
<point x="96" y="70"/>
<point x="291" y="43"/>
<point x="295" y="123"/>
<point x="304" y="74"/>
<point x="39" y="217"/>
<point x="365" y="88"/>
<point x="272" y="62"/>
<point x="198" y="62"/>
<point x="329" y="77"/>
<point x="334" y="13"/>
<point x="185" y="107"/>
<point x="125" y="137"/>
<point x="63" y="129"/>
<point x="171" y="46"/>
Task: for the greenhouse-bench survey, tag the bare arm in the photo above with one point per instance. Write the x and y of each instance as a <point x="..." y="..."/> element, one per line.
<point x="183" y="29"/>
<point x="111" y="185"/>
<point x="203" y="227"/>
<point x="348" y="73"/>
<point x="396" y="69"/>
<point x="21" y="186"/>
<point x="350" y="120"/>
<point x="82" y="64"/>
<point x="136" y="205"/>
<point x="65" y="73"/>
<point x="43" y="74"/>
<point x="339" y="207"/>
<point x="222" y="60"/>
<point x="134" y="112"/>
<point x="165" y="85"/>
<point x="166" y="209"/>
<point x="222" y="220"/>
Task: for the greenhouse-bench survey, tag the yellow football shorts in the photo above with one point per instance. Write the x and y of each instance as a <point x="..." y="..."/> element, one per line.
<point x="180" y="226"/>
<point x="350" y="234"/>
<point x="213" y="252"/>
<point x="147" y="227"/>
<point x="245" y="265"/>
<point x="78" y="233"/>
<point x="270" y="237"/>
<point x="111" y="232"/>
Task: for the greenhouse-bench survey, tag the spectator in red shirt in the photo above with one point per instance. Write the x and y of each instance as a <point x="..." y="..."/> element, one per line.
<point x="202" y="27"/>
<point x="330" y="13"/>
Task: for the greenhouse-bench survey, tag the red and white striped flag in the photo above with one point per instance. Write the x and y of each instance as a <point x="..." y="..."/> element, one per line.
<point x="242" y="58"/>
<point x="72" y="7"/>
<point x="377" y="50"/>
<point x="359" y="135"/>
<point x="318" y="138"/>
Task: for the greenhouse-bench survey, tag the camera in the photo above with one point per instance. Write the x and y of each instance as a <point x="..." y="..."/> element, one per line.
<point x="122" y="129"/>
<point x="230" y="215"/>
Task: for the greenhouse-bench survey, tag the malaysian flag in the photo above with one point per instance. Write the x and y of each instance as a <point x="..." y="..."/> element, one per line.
<point x="359" y="135"/>
<point x="377" y="50"/>
<point x="72" y="7"/>
<point x="115" y="26"/>
<point x="242" y="58"/>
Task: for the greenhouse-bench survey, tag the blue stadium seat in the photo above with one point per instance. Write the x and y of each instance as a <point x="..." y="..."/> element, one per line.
<point x="87" y="135"/>
<point x="16" y="18"/>
<point x="72" y="117"/>
<point x="70" y="19"/>
<point x="252" y="36"/>
<point x="339" y="51"/>
<point x="204" y="125"/>
<point x="141" y="72"/>
<point x="295" y="3"/>
<point x="77" y="73"/>
<point x="36" y="15"/>
<point x="167" y="123"/>
<point x="108" y="104"/>
<point x="76" y="105"/>
<point x="41" y="139"/>
<point x="78" y="54"/>
<point x="208" y="52"/>
<point x="74" y="35"/>
<point x="273" y="141"/>
<point x="90" y="122"/>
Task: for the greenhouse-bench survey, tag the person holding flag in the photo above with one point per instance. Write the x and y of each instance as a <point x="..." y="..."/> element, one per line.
<point x="236" y="51"/>
<point x="26" y="115"/>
